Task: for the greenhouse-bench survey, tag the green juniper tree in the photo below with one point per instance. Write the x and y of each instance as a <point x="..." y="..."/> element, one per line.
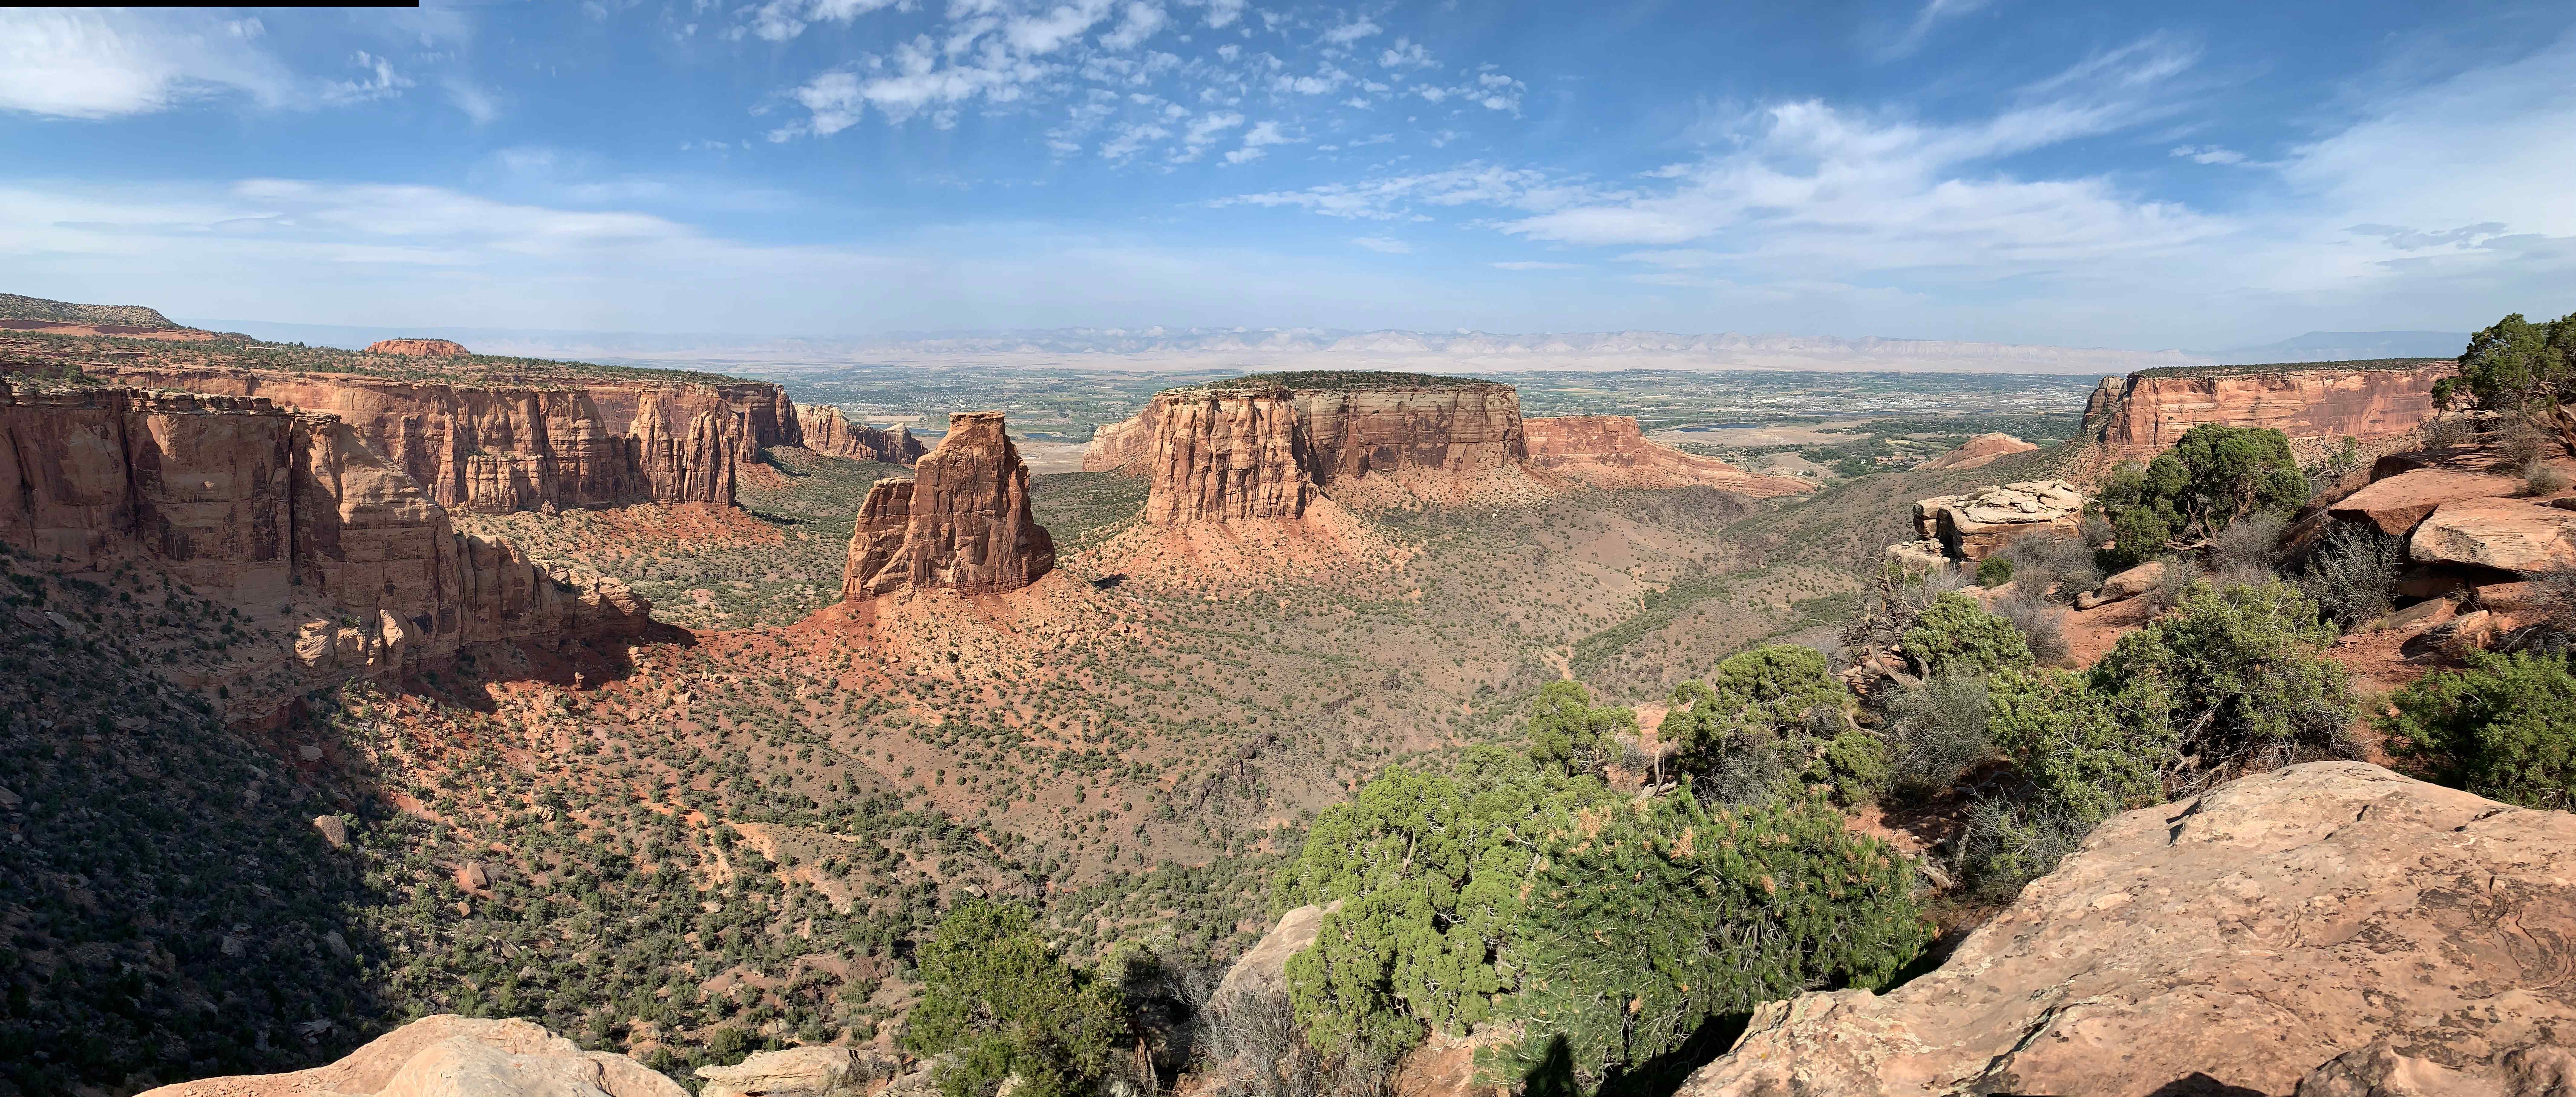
<point x="1003" y="1005"/>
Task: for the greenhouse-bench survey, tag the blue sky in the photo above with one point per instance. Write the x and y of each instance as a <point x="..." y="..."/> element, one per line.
<point x="2181" y="174"/>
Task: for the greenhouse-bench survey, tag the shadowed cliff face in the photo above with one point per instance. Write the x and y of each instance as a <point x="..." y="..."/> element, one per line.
<point x="962" y="522"/>
<point x="497" y="448"/>
<point x="2145" y="413"/>
<point x="285" y="515"/>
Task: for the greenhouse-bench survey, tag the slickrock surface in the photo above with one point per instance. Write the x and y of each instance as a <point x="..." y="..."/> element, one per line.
<point x="2398" y="503"/>
<point x="450" y="1056"/>
<point x="1264" y="969"/>
<point x="2505" y="534"/>
<point x="828" y="431"/>
<point x="962" y="522"/>
<point x="257" y="507"/>
<point x="1608" y="451"/>
<point x="419" y="348"/>
<point x="499" y="446"/>
<point x="802" y="1072"/>
<point x="1977" y="524"/>
<point x="2245" y="938"/>
<point x="2142" y="414"/>
<point x="1978" y="452"/>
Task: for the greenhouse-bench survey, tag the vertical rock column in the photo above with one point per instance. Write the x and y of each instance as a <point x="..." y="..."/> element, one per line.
<point x="962" y="522"/>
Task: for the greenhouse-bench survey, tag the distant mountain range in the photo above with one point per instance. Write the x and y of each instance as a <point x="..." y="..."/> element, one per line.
<point x="1310" y="348"/>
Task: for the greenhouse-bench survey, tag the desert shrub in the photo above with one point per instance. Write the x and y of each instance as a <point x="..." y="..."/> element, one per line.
<point x="2331" y="470"/>
<point x="2542" y="479"/>
<point x="2250" y="545"/>
<point x="1956" y="634"/>
<point x="2181" y="574"/>
<point x="2517" y="367"/>
<point x="1003" y="1005"/>
<point x="2352" y="574"/>
<point x="1428" y="870"/>
<point x="2517" y="441"/>
<point x="2449" y="432"/>
<point x="2053" y="566"/>
<point x="2084" y="754"/>
<point x="1936" y="730"/>
<point x="1249" y="1044"/>
<point x="1994" y="571"/>
<point x="2240" y="668"/>
<point x="1571" y="734"/>
<point x="1767" y="715"/>
<point x="2212" y="477"/>
<point x="2042" y="623"/>
<point x="1645" y="919"/>
<point x="2503" y="727"/>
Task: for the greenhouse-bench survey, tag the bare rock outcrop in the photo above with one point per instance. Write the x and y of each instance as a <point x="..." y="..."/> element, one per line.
<point x="1122" y="444"/>
<point x="499" y="445"/>
<point x="2397" y="504"/>
<point x="1978" y="452"/>
<point x="2516" y="535"/>
<point x="1608" y="451"/>
<point x="450" y="1056"/>
<point x="2144" y="413"/>
<point x="1977" y="524"/>
<point x="257" y="506"/>
<point x="828" y="431"/>
<point x="419" y="348"/>
<point x="1227" y="455"/>
<point x="962" y="522"/>
<point x="2247" y="938"/>
<point x="803" y="1072"/>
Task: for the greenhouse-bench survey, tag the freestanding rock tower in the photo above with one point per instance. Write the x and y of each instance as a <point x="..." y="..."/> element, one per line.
<point x="961" y="523"/>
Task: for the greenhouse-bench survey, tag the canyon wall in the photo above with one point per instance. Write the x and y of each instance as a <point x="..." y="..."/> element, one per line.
<point x="962" y="523"/>
<point x="2146" y="412"/>
<point x="418" y="348"/>
<point x="1118" y="445"/>
<point x="1260" y="448"/>
<point x="266" y="509"/>
<point x="1608" y="451"/>
<point x="503" y="446"/>
<point x="828" y="431"/>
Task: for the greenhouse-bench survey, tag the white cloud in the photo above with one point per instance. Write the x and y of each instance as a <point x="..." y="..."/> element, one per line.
<point x="106" y="63"/>
<point x="1393" y="198"/>
<point x="1353" y="31"/>
<point x="1532" y="264"/>
<point x="380" y="82"/>
<point x="780" y="20"/>
<point x="1931" y="15"/>
<point x="478" y="105"/>
<point x="1260" y="135"/>
<point x="1385" y="244"/>
<point x="1142" y="21"/>
<point x="2209" y="154"/>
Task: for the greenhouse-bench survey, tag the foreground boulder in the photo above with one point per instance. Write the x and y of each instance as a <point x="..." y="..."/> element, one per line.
<point x="1978" y="524"/>
<point x="2246" y="938"/>
<point x="451" y="1056"/>
<point x="2502" y="534"/>
<point x="803" y="1072"/>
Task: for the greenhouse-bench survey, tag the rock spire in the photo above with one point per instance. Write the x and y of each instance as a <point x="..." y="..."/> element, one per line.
<point x="961" y="523"/>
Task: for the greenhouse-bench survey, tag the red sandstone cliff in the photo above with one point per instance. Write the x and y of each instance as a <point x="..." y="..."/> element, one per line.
<point x="962" y="522"/>
<point x="2144" y="413"/>
<point x="827" y="431"/>
<point x="418" y="348"/>
<point x="1608" y="451"/>
<point x="259" y="507"/>
<point x="500" y="446"/>
<point x="1227" y="455"/>
<point x="1118" y="445"/>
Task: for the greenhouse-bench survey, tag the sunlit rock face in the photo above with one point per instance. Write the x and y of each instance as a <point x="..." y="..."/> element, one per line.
<point x="962" y="523"/>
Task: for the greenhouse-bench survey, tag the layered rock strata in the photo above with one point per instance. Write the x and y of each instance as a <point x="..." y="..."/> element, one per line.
<point x="2146" y="412"/>
<point x="499" y="446"/>
<point x="1978" y="524"/>
<point x="2239" y="942"/>
<point x="450" y="1056"/>
<point x="1608" y="451"/>
<point x="1263" y="448"/>
<point x="418" y="348"/>
<point x="826" y="430"/>
<point x="962" y="523"/>
<point x="256" y="506"/>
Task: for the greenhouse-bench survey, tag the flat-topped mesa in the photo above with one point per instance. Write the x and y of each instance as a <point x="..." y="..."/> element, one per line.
<point x="1609" y="451"/>
<point x="828" y="431"/>
<point x="1227" y="455"/>
<point x="1122" y="444"/>
<point x="499" y="446"/>
<point x="256" y="506"/>
<point x="2146" y="412"/>
<point x="419" y="348"/>
<point x="962" y="523"/>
